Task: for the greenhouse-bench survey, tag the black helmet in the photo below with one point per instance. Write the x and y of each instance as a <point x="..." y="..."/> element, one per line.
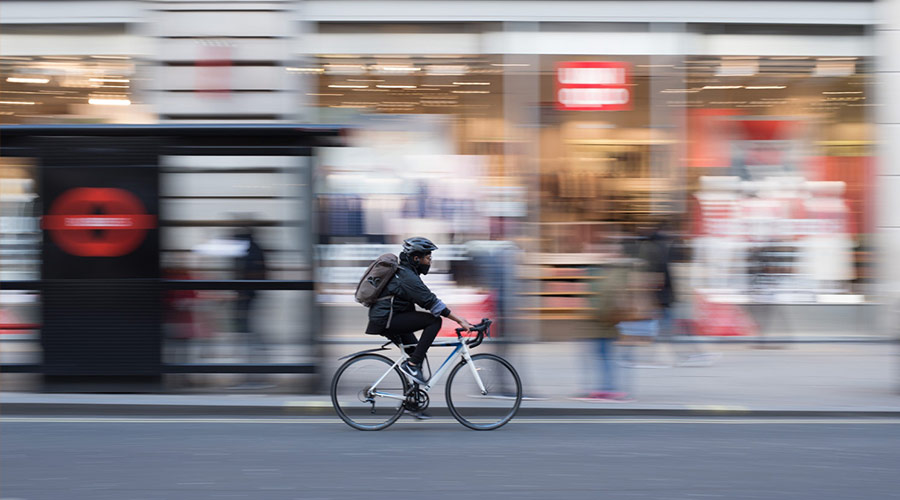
<point x="418" y="244"/>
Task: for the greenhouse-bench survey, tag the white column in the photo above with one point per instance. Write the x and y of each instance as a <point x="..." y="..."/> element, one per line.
<point x="219" y="61"/>
<point x="887" y="181"/>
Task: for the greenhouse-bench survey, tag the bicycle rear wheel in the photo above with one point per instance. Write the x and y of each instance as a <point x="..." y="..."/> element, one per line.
<point x="489" y="410"/>
<point x="357" y="403"/>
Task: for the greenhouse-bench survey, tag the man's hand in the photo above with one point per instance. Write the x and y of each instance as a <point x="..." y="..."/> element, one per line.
<point x="462" y="322"/>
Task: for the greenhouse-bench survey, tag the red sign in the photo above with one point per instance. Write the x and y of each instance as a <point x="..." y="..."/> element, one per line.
<point x="593" y="86"/>
<point x="98" y="222"/>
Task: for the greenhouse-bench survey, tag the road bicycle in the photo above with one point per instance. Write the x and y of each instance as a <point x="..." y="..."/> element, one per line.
<point x="483" y="391"/>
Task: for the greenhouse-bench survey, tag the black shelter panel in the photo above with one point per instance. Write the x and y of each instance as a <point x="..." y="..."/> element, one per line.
<point x="100" y="258"/>
<point x="101" y="207"/>
<point x="104" y="328"/>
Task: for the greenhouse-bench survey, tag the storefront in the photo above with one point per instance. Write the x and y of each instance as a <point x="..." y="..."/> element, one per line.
<point x="764" y="154"/>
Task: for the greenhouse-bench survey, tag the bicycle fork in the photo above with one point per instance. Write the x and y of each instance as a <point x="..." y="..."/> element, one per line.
<point x="468" y="358"/>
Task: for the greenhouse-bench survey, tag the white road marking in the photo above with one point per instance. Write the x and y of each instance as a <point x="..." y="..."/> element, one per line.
<point x="522" y="420"/>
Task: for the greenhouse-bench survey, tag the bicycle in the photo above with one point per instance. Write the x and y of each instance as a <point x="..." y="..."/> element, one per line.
<point x="483" y="391"/>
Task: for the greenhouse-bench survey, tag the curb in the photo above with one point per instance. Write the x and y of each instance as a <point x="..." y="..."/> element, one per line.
<point x="318" y="410"/>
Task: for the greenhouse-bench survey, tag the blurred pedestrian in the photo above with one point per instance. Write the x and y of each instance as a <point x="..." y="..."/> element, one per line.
<point x="663" y="251"/>
<point x="250" y="264"/>
<point x="610" y="303"/>
<point x="180" y="324"/>
<point x="646" y="294"/>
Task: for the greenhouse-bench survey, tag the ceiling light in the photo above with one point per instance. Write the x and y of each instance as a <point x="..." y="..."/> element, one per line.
<point x="398" y="69"/>
<point x="344" y="69"/>
<point x="446" y="69"/>
<point x="348" y="86"/>
<point x="470" y="91"/>
<point x="437" y="85"/>
<point x="737" y="68"/>
<point x="843" y="93"/>
<point x="109" y="102"/>
<point x="764" y="87"/>
<point x="471" y="83"/>
<point x="722" y="87"/>
<point x="679" y="91"/>
<point x="19" y="103"/>
<point x="835" y="69"/>
<point x="396" y="86"/>
<point x="16" y="79"/>
<point x="305" y="70"/>
<point x="362" y="80"/>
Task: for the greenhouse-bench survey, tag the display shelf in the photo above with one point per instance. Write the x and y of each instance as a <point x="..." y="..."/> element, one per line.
<point x="562" y="288"/>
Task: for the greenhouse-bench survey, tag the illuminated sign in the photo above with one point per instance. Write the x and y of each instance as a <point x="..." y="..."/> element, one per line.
<point x="98" y="222"/>
<point x="593" y="86"/>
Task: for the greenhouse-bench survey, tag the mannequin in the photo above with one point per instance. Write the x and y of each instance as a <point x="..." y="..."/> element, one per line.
<point x="827" y="256"/>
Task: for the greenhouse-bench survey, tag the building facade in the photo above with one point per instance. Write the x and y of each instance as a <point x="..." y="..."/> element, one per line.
<point x="749" y="128"/>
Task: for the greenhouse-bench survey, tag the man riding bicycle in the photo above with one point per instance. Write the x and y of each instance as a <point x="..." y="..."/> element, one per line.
<point x="396" y="318"/>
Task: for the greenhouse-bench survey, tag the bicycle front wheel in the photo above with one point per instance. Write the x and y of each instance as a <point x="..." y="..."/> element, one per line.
<point x="362" y="403"/>
<point x="488" y="410"/>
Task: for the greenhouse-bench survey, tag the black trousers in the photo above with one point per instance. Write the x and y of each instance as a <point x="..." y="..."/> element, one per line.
<point x="404" y="324"/>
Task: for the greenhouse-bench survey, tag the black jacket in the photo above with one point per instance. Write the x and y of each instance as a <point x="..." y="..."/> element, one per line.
<point x="408" y="291"/>
<point x="656" y="251"/>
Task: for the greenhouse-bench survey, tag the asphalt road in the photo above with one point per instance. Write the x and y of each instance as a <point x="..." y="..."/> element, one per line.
<point x="74" y="458"/>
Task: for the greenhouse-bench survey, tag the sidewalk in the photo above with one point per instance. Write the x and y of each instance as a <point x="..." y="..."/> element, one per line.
<point x="789" y="380"/>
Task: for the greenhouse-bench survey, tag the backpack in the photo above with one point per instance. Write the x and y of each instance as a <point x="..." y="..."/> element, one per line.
<point x="611" y="299"/>
<point x="376" y="278"/>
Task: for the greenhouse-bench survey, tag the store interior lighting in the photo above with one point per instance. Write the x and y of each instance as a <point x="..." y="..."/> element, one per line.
<point x="17" y="79"/>
<point x="100" y="101"/>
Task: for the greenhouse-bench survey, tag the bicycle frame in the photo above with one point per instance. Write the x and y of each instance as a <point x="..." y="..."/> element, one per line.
<point x="461" y="351"/>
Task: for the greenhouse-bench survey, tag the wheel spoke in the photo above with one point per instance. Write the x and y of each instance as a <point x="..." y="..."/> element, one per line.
<point x="355" y="401"/>
<point x="489" y="410"/>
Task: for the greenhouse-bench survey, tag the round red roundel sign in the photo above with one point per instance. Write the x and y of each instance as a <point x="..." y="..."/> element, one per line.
<point x="98" y="222"/>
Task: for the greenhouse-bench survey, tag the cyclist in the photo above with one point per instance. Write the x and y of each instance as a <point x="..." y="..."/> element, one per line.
<point x="396" y="318"/>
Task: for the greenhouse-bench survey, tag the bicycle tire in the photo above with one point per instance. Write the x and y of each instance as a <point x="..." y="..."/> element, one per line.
<point x="466" y="416"/>
<point x="341" y="399"/>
